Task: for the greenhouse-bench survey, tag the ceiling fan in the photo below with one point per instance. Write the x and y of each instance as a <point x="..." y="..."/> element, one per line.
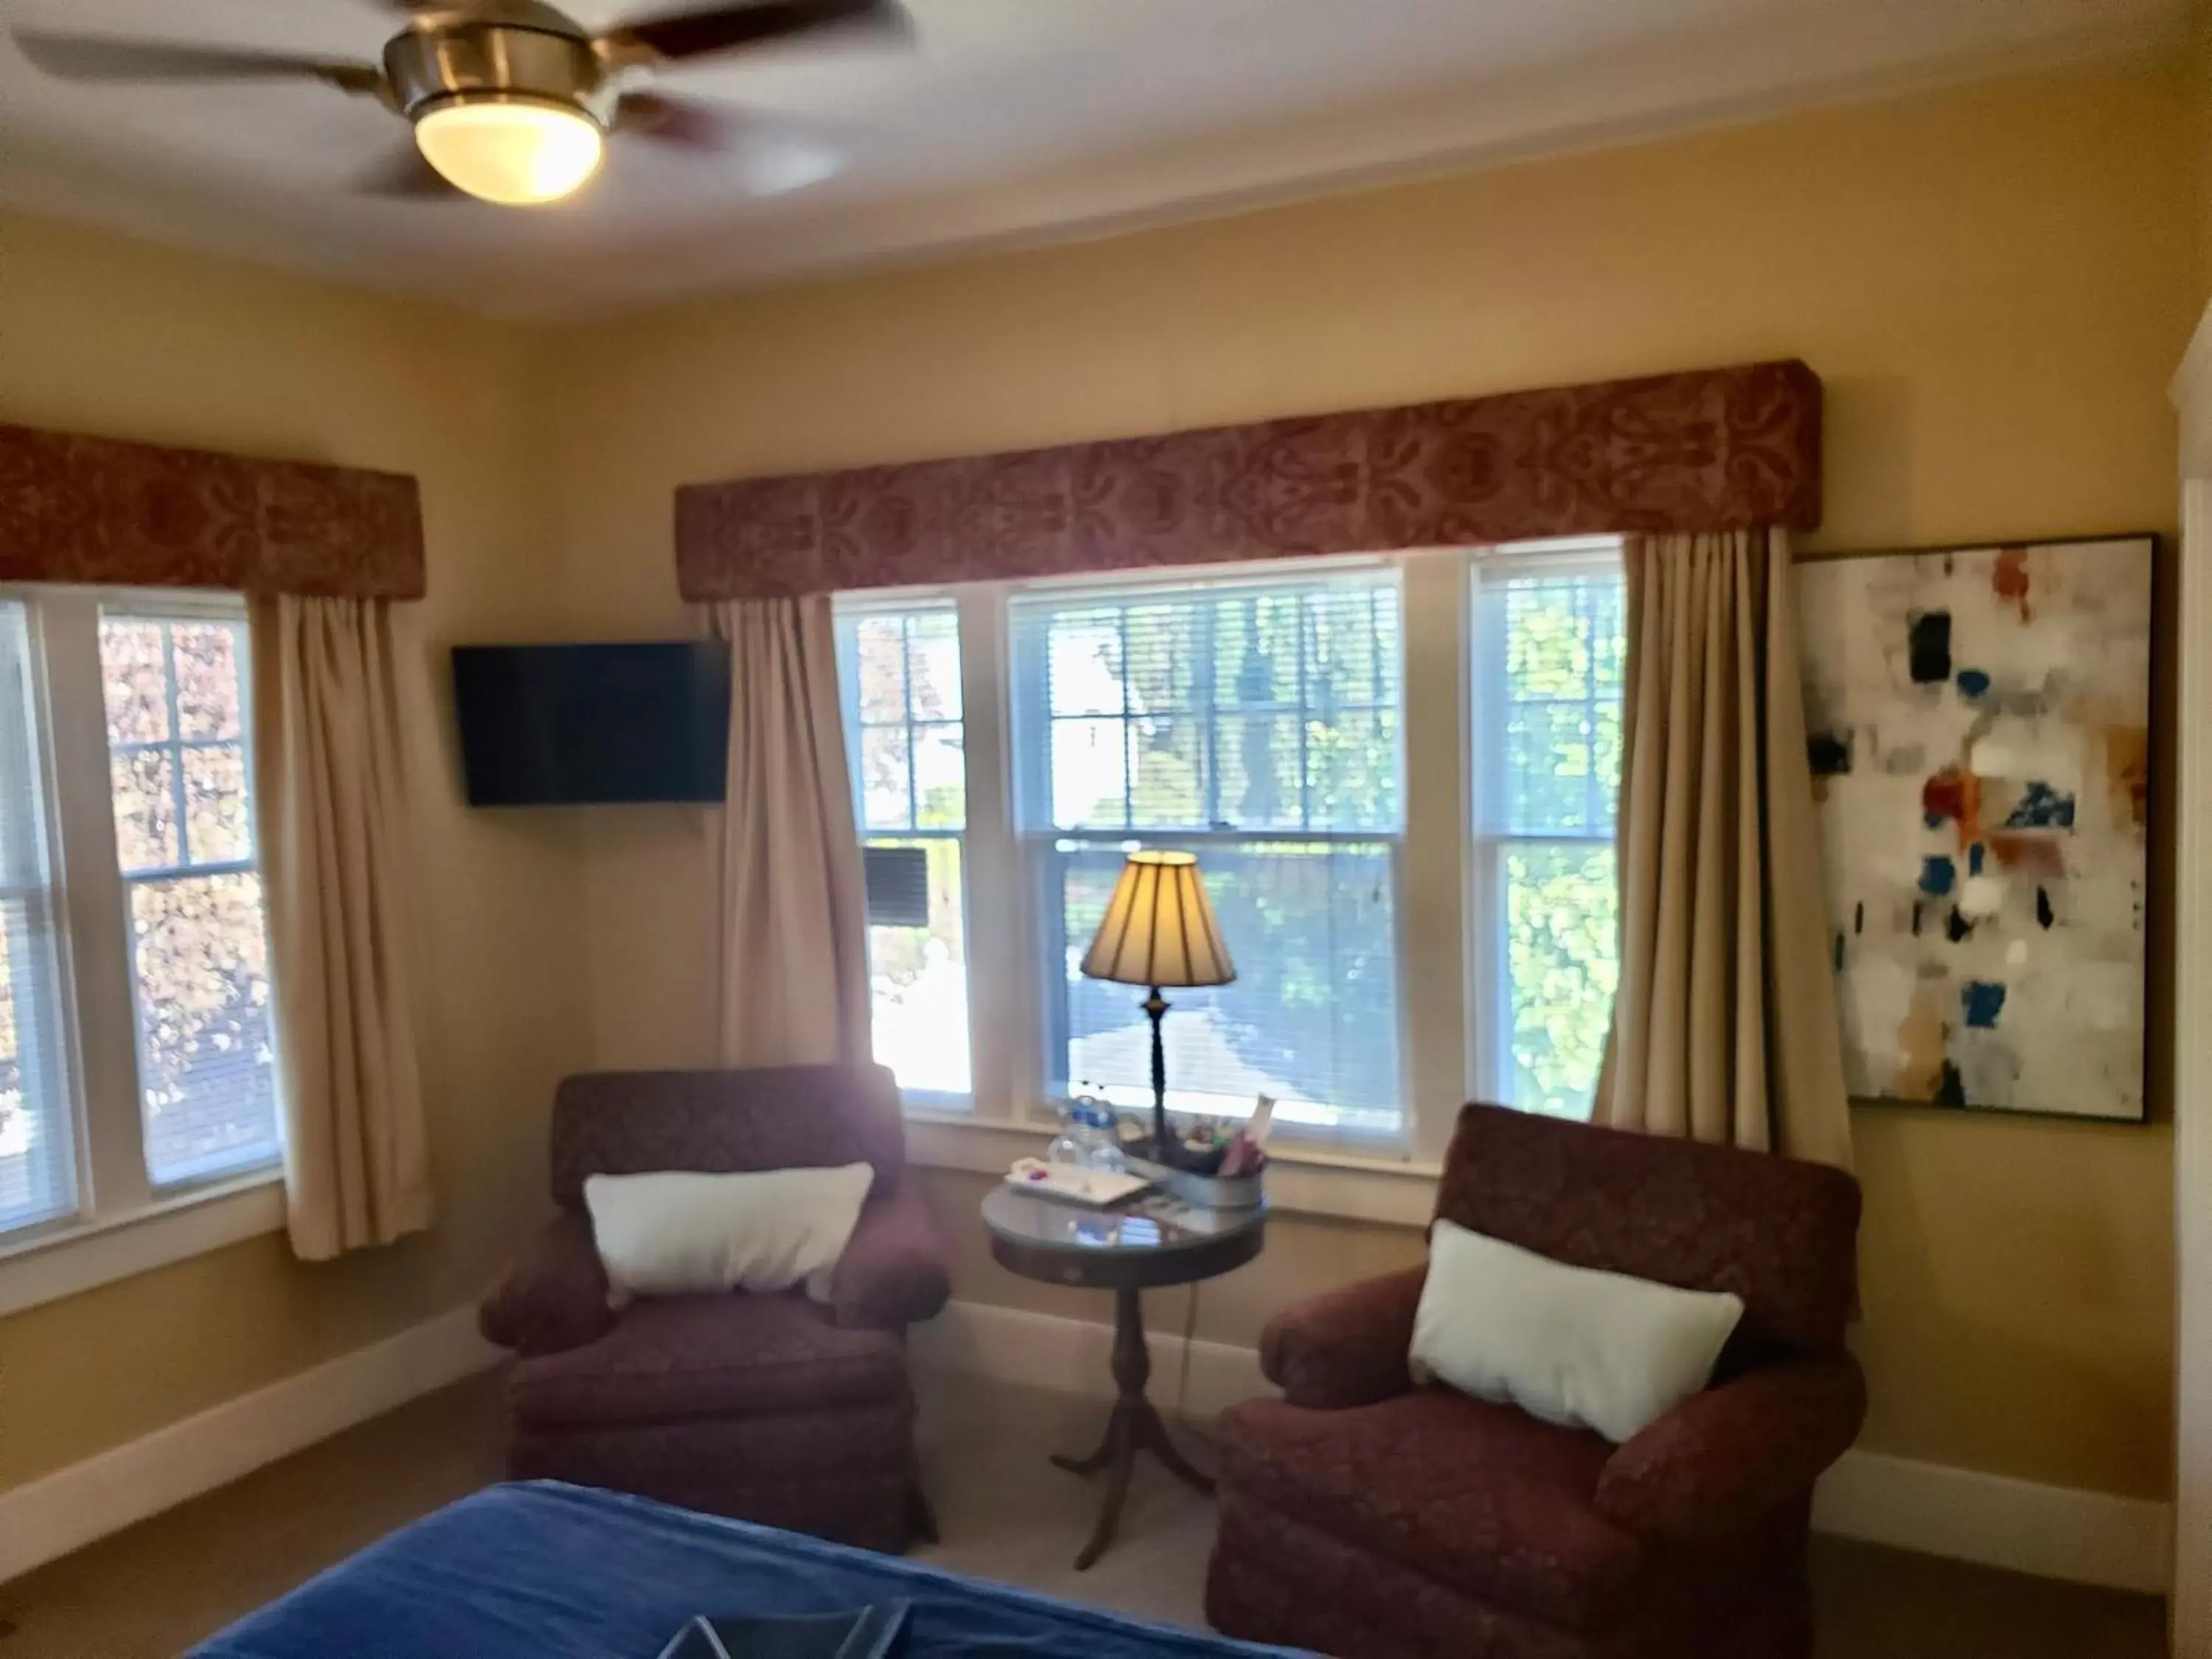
<point x="512" y="101"/>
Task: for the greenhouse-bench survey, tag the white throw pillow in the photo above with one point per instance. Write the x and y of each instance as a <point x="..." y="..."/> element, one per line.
<point x="679" y="1232"/>
<point x="1570" y="1344"/>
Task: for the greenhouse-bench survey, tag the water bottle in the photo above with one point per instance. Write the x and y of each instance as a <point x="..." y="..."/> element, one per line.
<point x="1067" y="1147"/>
<point x="1094" y="1134"/>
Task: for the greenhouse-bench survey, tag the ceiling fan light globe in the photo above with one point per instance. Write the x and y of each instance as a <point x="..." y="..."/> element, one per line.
<point x="516" y="152"/>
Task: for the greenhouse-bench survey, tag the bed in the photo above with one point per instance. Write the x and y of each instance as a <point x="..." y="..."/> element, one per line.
<point x="538" y="1569"/>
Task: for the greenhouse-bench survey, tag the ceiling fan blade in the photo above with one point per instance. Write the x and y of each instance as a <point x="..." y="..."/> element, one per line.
<point x="404" y="175"/>
<point x="760" y="157"/>
<point x="679" y="123"/>
<point x="86" y="58"/>
<point x="696" y="33"/>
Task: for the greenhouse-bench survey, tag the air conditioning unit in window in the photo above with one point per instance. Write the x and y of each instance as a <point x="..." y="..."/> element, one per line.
<point x="898" y="885"/>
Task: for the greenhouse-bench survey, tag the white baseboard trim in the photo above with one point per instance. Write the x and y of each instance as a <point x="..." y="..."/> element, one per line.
<point x="1075" y="1356"/>
<point x="1998" y="1520"/>
<point x="2055" y="1532"/>
<point x="48" y="1517"/>
<point x="1995" y="1519"/>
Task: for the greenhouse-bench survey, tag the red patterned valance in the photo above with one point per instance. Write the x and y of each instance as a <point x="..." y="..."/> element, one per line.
<point x="94" y="510"/>
<point x="1710" y="450"/>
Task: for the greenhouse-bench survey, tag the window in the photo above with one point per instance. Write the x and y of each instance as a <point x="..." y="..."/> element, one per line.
<point x="136" y="1066"/>
<point x="1398" y="775"/>
<point x="1256" y="723"/>
<point x="1548" y="645"/>
<point x="899" y="667"/>
<point x="179" y="759"/>
<point x="37" y="1149"/>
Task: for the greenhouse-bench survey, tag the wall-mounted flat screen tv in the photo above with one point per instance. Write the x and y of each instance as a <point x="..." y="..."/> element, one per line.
<point x="568" y="725"/>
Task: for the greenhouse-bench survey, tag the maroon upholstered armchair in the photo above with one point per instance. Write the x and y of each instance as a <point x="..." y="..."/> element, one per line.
<point x="1369" y="1518"/>
<point x="770" y="1408"/>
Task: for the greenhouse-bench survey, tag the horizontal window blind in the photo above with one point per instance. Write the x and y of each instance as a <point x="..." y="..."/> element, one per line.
<point x="1230" y="706"/>
<point x="37" y="1139"/>
<point x="1256" y="723"/>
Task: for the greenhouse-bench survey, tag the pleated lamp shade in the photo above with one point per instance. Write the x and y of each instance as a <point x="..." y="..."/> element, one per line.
<point x="1159" y="929"/>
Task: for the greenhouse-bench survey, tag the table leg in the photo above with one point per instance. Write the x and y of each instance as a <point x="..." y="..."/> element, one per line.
<point x="1099" y="1459"/>
<point x="1158" y="1442"/>
<point x="1134" y="1426"/>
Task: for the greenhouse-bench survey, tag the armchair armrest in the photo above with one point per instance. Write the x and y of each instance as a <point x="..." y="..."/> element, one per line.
<point x="1347" y="1347"/>
<point x="1725" y="1458"/>
<point x="892" y="1271"/>
<point x="557" y="1299"/>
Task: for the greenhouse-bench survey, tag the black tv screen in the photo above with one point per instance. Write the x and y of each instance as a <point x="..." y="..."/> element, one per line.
<point x="553" y="725"/>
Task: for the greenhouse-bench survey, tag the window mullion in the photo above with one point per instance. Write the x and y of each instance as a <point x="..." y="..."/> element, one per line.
<point x="1128" y="730"/>
<point x="1303" y="619"/>
<point x="95" y="903"/>
<point x="1586" y="628"/>
<point x="1204" y="674"/>
<point x="1433" y="983"/>
<point x="906" y="721"/>
<point x="999" y="1015"/>
<point x="175" y="744"/>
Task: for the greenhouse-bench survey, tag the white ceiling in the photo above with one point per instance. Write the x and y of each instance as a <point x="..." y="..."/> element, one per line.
<point x="1007" y="119"/>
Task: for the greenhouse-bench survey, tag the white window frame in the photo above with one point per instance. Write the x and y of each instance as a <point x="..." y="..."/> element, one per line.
<point x="902" y="602"/>
<point x="230" y="613"/>
<point x="1035" y="847"/>
<point x="1489" y="978"/>
<point x="122" y="1222"/>
<point x="1442" y="952"/>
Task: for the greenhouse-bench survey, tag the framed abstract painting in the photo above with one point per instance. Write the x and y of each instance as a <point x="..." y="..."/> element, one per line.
<point x="1980" y="730"/>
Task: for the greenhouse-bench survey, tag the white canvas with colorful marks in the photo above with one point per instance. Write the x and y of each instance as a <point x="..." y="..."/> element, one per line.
<point x="1980" y="727"/>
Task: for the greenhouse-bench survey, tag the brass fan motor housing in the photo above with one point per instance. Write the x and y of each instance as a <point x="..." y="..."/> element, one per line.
<point x="523" y="52"/>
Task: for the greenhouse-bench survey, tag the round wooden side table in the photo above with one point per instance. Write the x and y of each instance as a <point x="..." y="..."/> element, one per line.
<point x="1126" y="1249"/>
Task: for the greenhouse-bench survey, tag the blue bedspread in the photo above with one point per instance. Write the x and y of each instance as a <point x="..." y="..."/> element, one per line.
<point x="543" y="1571"/>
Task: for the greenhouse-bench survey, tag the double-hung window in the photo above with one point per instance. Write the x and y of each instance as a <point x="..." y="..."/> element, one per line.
<point x="39" y="1140"/>
<point x="899" y="669"/>
<point x="136" y="1062"/>
<point x="1417" y="885"/>
<point x="1547" y="648"/>
<point x="1254" y="720"/>
<point x="180" y="764"/>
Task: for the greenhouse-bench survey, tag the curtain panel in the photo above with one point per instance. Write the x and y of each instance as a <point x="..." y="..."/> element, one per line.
<point x="1702" y="451"/>
<point x="1725" y="1026"/>
<point x="322" y="552"/>
<point x="104" y="513"/>
<point x="329" y="794"/>
<point x="794" y="949"/>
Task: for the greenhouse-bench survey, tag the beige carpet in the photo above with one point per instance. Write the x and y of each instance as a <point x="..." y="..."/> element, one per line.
<point x="1004" y="1514"/>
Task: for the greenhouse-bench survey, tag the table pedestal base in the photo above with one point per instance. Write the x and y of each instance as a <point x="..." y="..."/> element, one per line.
<point x="1135" y="1426"/>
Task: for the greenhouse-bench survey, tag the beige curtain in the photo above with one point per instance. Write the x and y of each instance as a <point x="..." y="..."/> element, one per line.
<point x="329" y="799"/>
<point x="1725" y="1026"/>
<point x="794" y="980"/>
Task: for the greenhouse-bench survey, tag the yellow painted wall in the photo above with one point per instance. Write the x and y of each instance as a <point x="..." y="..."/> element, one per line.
<point x="106" y="336"/>
<point x="1995" y="284"/>
<point x="2196" y="72"/>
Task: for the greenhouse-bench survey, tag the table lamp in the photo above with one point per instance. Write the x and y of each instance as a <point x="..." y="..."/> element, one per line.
<point x="1159" y="930"/>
